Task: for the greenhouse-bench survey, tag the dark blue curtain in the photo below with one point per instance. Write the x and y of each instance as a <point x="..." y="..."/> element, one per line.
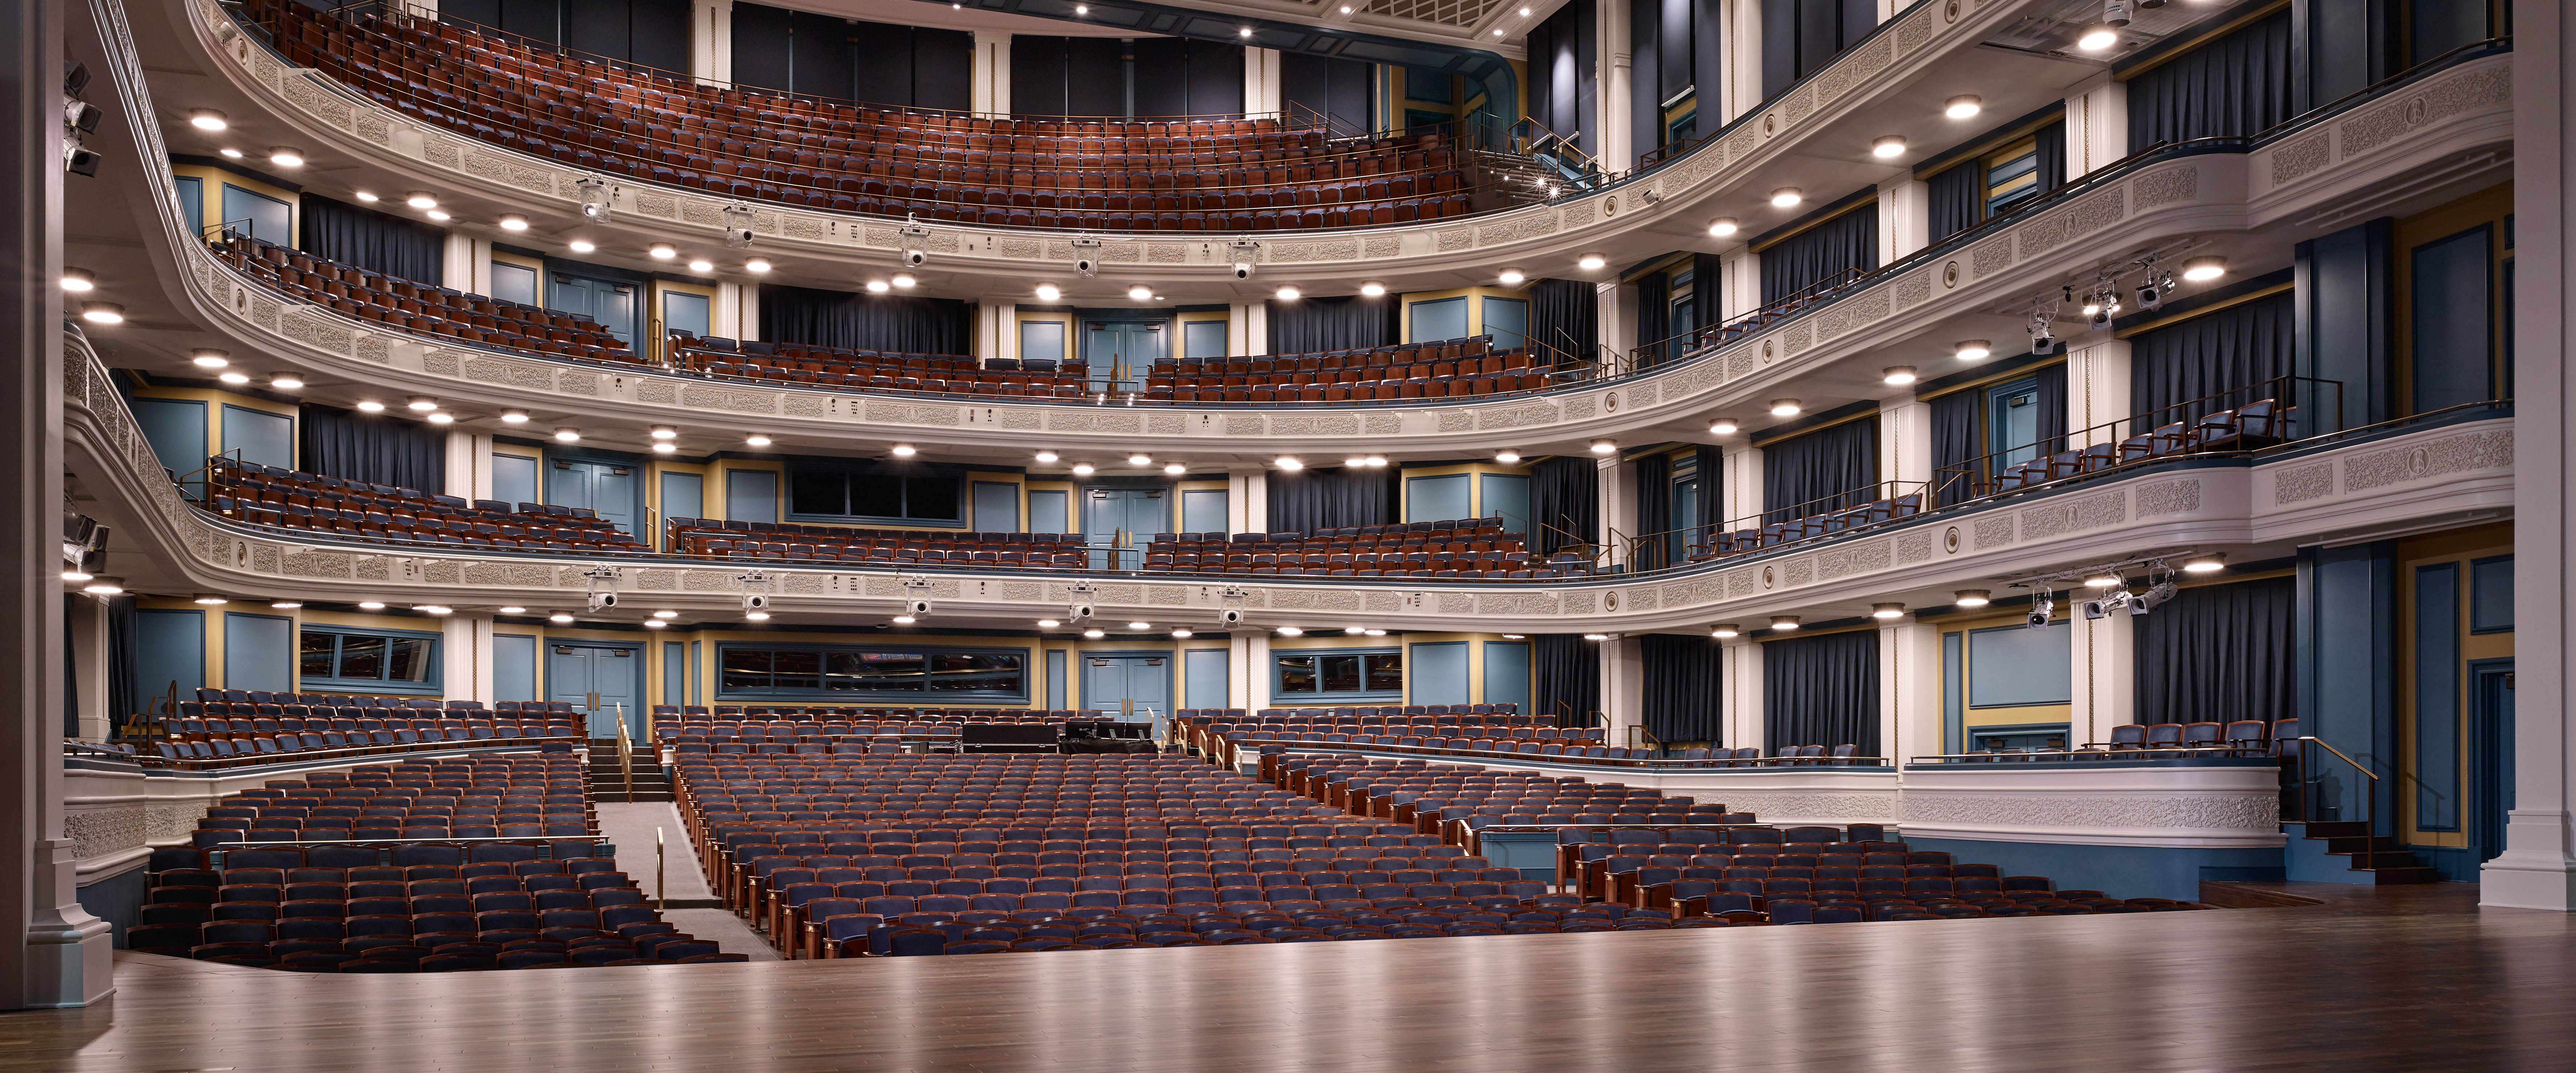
<point x="1565" y="504"/>
<point x="2051" y="141"/>
<point x="1564" y="318"/>
<point x="1654" y="317"/>
<point x="121" y="658"/>
<point x="1309" y="325"/>
<point x="1957" y="198"/>
<point x="1307" y="500"/>
<point x="1680" y="687"/>
<point x="1825" y="254"/>
<point x="374" y="448"/>
<point x="390" y="245"/>
<point x="2217" y="653"/>
<point x="862" y="321"/>
<point x="1708" y="311"/>
<point x="2052" y="408"/>
<point x="2238" y="84"/>
<point x="1654" y="513"/>
<point x="1711" y="504"/>
<point x="71" y="676"/>
<point x="1825" y="470"/>
<point x="2223" y="358"/>
<point x="1958" y="452"/>
<point x="1565" y="678"/>
<point x="1821" y="691"/>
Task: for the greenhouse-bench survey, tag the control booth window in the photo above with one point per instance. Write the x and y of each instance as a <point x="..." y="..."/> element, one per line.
<point x="916" y="494"/>
<point x="1341" y="674"/>
<point x="915" y="674"/>
<point x="384" y="661"/>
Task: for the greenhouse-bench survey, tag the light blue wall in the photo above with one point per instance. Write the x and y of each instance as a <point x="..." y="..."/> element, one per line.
<point x="1055" y="689"/>
<point x="1437" y="499"/>
<point x="2117" y="871"/>
<point x="1203" y="510"/>
<point x="1438" y="672"/>
<point x="1433" y="321"/>
<point x="684" y="495"/>
<point x="1505" y="495"/>
<point x="1206" y="686"/>
<point x="2437" y="697"/>
<point x="2014" y="666"/>
<point x="514" y="666"/>
<point x="260" y="436"/>
<point x="675" y="672"/>
<point x="176" y="428"/>
<point x="169" y="645"/>
<point x="269" y="219"/>
<point x="1507" y="320"/>
<point x="514" y="478"/>
<point x="1048" y="512"/>
<point x="259" y="652"/>
<point x="997" y="507"/>
<point x="2348" y="684"/>
<point x="751" y="496"/>
<point x="1507" y="673"/>
<point x="1203" y="339"/>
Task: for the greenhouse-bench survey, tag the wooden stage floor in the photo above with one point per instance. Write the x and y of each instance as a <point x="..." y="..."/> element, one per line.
<point x="2407" y="978"/>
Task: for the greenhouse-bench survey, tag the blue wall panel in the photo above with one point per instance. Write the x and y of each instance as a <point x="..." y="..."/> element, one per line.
<point x="176" y="429"/>
<point x="514" y="667"/>
<point x="169" y="646"/>
<point x="1507" y="673"/>
<point x="2347" y="681"/>
<point x="259" y="652"/>
<point x="751" y="496"/>
<point x="2117" y="871"/>
<point x="1206" y="672"/>
<point x="1438" y="673"/>
<point x="2437" y="697"/>
<point x="1505" y="496"/>
<point x="1436" y="499"/>
<point x="260" y="436"/>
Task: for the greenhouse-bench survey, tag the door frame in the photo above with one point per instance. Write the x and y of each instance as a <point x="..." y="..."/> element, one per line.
<point x="1085" y="321"/>
<point x="1167" y="655"/>
<point x="2491" y="744"/>
<point x="1083" y="514"/>
<point x="643" y="685"/>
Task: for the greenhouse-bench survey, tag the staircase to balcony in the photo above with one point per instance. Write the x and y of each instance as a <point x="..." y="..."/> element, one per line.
<point x="2331" y="852"/>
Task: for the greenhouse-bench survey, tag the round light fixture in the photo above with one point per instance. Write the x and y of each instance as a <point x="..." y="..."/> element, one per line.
<point x="2205" y="564"/>
<point x="1046" y="456"/>
<point x="211" y="600"/>
<point x="1723" y="226"/>
<point x="105" y="586"/>
<point x="1596" y="637"/>
<point x="1963" y="106"/>
<point x="1140" y="625"/>
<point x="1590" y="261"/>
<point x="514" y="417"/>
<point x="755" y="266"/>
<point x="582" y="246"/>
<point x="1047" y="292"/>
<point x="665" y="432"/>
<point x="511" y="221"/>
<point x="438" y="214"/>
<point x="2204" y="268"/>
<point x="422" y="403"/>
<point x="756" y="439"/>
<point x="286" y="605"/>
<point x="1140" y="292"/>
<point x="286" y="156"/>
<point x="433" y="609"/>
<point x="1784" y="407"/>
<point x="905" y="620"/>
<point x="1603" y="447"/>
<point x="1971" y="598"/>
<point x="656" y="624"/>
<point x="2097" y="39"/>
<point x="878" y="286"/>
<point x="1095" y="633"/>
<point x="662" y="251"/>
<point x="1291" y="631"/>
<point x="1888" y="146"/>
<point x="230" y="153"/>
<point x="568" y="434"/>
<point x="1724" y="426"/>
<point x="102" y="312"/>
<point x="1725" y="629"/>
<point x="1784" y="623"/>
<point x="286" y="381"/>
<point x="371" y="406"/>
<point x="1786" y="197"/>
<point x="1175" y="469"/>
<point x="1372" y="289"/>
<point x="1182" y="634"/>
<point x="1898" y="374"/>
<point x="1140" y="460"/>
<point x="1972" y="349"/>
<point x="420" y="199"/>
<point x="756" y="616"/>
<point x="1290" y="463"/>
<point x="905" y="450"/>
<point x="207" y="119"/>
<point x="366" y="197"/>
<point x="1287" y="294"/>
<point x="2102" y="579"/>
<point x="442" y="417"/>
<point x="1511" y="277"/>
<point x="79" y="280"/>
<point x="234" y="378"/>
<point x="904" y="279"/>
<point x="379" y="605"/>
<point x="664" y="448"/>
<point x="1048" y="624"/>
<point x="1507" y="457"/>
<point x="512" y="609"/>
<point x="702" y="265"/>
<point x="210" y="359"/>
<point x="1886" y="611"/>
<point x="1084" y="469"/>
<point x="1354" y="631"/>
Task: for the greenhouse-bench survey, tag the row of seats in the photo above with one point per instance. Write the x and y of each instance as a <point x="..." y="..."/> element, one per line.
<point x="275" y="496"/>
<point x="2258" y="424"/>
<point x="794" y="541"/>
<point x="855" y="368"/>
<point x="197" y="740"/>
<point x="506" y="797"/>
<point x="421" y="308"/>
<point x="1467" y="366"/>
<point x="843" y="157"/>
<point x="1821" y="523"/>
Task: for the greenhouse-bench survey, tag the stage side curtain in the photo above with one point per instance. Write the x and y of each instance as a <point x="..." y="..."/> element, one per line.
<point x="2052" y="408"/>
<point x="1710" y="507"/>
<point x="121" y="659"/>
<point x="1308" y="325"/>
<point x="1654" y="512"/>
<point x="1957" y="452"/>
<point x="1565" y="678"/>
<point x="371" y="240"/>
<point x="1654" y="317"/>
<point x="1825" y="470"/>
<point x="1565" y="503"/>
<point x="1681" y="686"/>
<point x="2230" y="353"/>
<point x="1825" y="254"/>
<point x="1308" y="500"/>
<point x="2051" y="142"/>
<point x="1821" y="691"/>
<point x="2218" y="653"/>
<point x="1565" y="317"/>
<point x="862" y="321"/>
<point x="1957" y="198"/>
<point x="2236" y="85"/>
<point x="374" y="448"/>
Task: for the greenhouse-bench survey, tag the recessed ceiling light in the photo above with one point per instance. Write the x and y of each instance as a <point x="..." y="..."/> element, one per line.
<point x="1083" y="469"/>
<point x="656" y="624"/>
<point x="756" y="616"/>
<point x="286" y="381"/>
<point x="568" y="435"/>
<point x="2097" y="39"/>
<point x="286" y="605"/>
<point x="1244" y="32"/>
<point x="1140" y="625"/>
<point x="2203" y="269"/>
<point x="2102" y="579"/>
<point x="560" y="618"/>
<point x="579" y="246"/>
<point x="1498" y="31"/>
<point x="422" y="403"/>
<point x="1971" y="598"/>
<point x="1374" y="461"/>
<point x="1291" y="631"/>
<point x="1511" y="277"/>
<point x="905" y="620"/>
<point x="1784" y="407"/>
<point x="1603" y="447"/>
<point x="756" y="439"/>
<point x="1963" y="106"/>
<point x="1175" y="469"/>
<point x="1722" y="226"/>
<point x="1507" y="457"/>
<point x="374" y="605"/>
<point x="1082" y="9"/>
<point x="702" y="265"/>
<point x="1973" y="349"/>
<point x="1047" y="292"/>
<point x="102" y="312"/>
<point x="878" y="286"/>
<point x="1784" y="623"/>
<point x="286" y="156"/>
<point x="1375" y="632"/>
<point x="512" y="609"/>
<point x="1354" y="630"/>
<point x="1048" y="623"/>
<point x="211" y="600"/>
<point x="1724" y="426"/>
<point x="1046" y="456"/>
<point x="79" y="280"/>
<point x="514" y="417"/>
<point x="234" y="378"/>
<point x="666" y="614"/>
<point x="105" y="586"/>
<point x="1140" y="292"/>
<point x="421" y="199"/>
<point x="1590" y="261"/>
<point x="1290" y="462"/>
<point x="366" y="197"/>
<point x="511" y="221"/>
<point x="209" y="359"/>
<point x="2205" y="564"/>
<point x="229" y="153"/>
<point x="662" y="251"/>
<point x="665" y="448"/>
<point x="440" y="417"/>
<point x="1372" y="289"/>
<point x="1287" y="294"/>
<point x="1183" y="633"/>
<point x="665" y="432"/>
<point x="1898" y="374"/>
<point x="904" y="279"/>
<point x="1786" y="197"/>
<point x="1724" y="629"/>
<point x="755" y="266"/>
<point x="1346" y="9"/>
<point x="1140" y="460"/>
<point x="371" y="406"/>
<point x="1887" y="611"/>
<point x="438" y="214"/>
<point x="905" y="450"/>
<point x="433" y="609"/>
<point x="1095" y="633"/>
<point x="207" y="119"/>
<point x="1888" y="146"/>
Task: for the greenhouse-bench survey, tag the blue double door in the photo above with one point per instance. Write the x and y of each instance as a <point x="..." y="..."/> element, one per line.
<point x="599" y="681"/>
<point x="1139" y="683"/>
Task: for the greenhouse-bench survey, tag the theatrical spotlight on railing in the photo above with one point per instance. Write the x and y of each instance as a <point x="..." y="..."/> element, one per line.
<point x="597" y="198"/>
<point x="79" y="117"/>
<point x="737" y="225"/>
<point x="603" y="587"/>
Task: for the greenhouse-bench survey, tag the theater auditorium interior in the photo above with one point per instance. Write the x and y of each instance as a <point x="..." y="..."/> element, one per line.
<point x="1971" y="534"/>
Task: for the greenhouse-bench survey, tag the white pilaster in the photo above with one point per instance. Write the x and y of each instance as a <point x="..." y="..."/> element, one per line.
<point x="1895" y="675"/>
<point x="992" y="87"/>
<point x="467" y="655"/>
<point x="2097" y="388"/>
<point x="1904" y="442"/>
<point x="1743" y="44"/>
<point x="457" y="262"/>
<point x="462" y="463"/>
<point x="1912" y="688"/>
<point x="2537" y="869"/>
<point x="2097" y="125"/>
<point x="1742" y="276"/>
<point x="1741" y="685"/>
<point x="1623" y="688"/>
<point x="1261" y="92"/>
<point x="1615" y="77"/>
<point x="1617" y="317"/>
<point x="1256" y="329"/>
<point x="2105" y="689"/>
<point x="1743" y="485"/>
<point x="747" y="319"/>
<point x="711" y="40"/>
<point x="728" y="311"/>
<point x="1256" y="671"/>
<point x="1238" y="668"/>
<point x="1904" y="217"/>
<point x="1256" y="503"/>
<point x="88" y="641"/>
<point x="994" y="337"/>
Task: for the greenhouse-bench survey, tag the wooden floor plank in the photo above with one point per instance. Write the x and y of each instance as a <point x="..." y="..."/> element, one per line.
<point x="2420" y="979"/>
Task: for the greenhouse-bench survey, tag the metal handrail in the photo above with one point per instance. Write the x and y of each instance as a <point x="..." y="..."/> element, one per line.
<point x="2369" y="801"/>
<point x="625" y="752"/>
